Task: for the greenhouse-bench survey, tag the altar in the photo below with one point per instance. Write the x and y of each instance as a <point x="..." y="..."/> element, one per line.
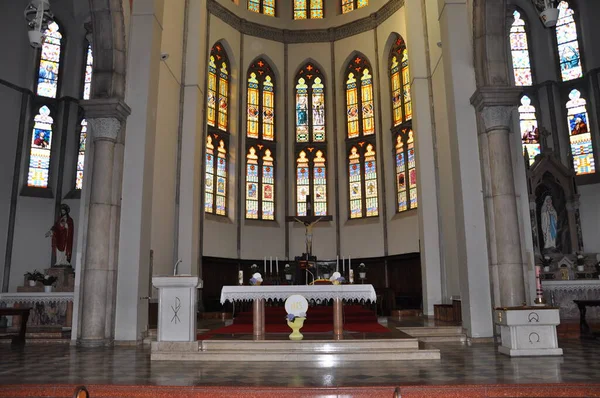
<point x="258" y="294"/>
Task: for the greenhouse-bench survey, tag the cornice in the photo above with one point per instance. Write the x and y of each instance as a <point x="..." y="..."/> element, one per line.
<point x="304" y="35"/>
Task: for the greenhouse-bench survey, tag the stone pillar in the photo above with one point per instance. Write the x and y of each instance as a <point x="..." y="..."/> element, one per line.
<point x="495" y="106"/>
<point x="105" y="118"/>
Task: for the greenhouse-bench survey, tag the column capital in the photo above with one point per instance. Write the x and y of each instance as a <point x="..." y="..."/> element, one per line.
<point x="497" y="117"/>
<point x="492" y="96"/>
<point x="106" y="108"/>
<point x="104" y="128"/>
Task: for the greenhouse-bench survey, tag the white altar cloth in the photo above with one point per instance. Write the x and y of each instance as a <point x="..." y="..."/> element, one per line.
<point x="316" y="292"/>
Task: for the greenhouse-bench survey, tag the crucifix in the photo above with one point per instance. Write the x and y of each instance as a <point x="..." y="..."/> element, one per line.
<point x="309" y="221"/>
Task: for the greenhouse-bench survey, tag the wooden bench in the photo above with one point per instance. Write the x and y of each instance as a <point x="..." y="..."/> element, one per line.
<point x="23" y="313"/>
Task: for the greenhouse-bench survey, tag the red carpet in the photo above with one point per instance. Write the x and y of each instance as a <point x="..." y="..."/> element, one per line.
<point x="318" y="320"/>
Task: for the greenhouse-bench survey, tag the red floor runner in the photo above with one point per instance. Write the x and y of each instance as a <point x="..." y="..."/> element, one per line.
<point x="318" y="320"/>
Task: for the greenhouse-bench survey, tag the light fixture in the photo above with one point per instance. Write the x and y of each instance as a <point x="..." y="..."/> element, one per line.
<point x="548" y="12"/>
<point x="38" y="16"/>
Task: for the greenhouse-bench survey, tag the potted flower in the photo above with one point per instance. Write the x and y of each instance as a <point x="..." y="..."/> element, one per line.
<point x="254" y="269"/>
<point x="256" y="279"/>
<point x="580" y="262"/>
<point x="546" y="261"/>
<point x="325" y="269"/>
<point x="289" y="272"/>
<point x="48" y="281"/>
<point x="33" y="277"/>
<point x="337" y="278"/>
<point x="362" y="271"/>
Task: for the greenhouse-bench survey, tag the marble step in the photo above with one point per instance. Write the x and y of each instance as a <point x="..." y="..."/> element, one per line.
<point x="314" y="346"/>
<point x="462" y="338"/>
<point x="431" y="330"/>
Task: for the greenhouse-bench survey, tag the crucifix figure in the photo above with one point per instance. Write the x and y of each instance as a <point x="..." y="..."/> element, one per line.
<point x="309" y="222"/>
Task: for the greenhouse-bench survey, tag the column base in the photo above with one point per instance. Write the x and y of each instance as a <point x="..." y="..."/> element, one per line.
<point x="94" y="343"/>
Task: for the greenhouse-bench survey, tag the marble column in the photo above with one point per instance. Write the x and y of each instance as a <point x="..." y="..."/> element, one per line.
<point x="105" y="118"/>
<point x="495" y="106"/>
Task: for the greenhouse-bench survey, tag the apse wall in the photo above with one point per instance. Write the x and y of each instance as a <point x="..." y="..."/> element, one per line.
<point x="34" y="215"/>
<point x="358" y="238"/>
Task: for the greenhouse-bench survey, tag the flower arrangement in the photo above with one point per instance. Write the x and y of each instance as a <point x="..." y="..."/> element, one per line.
<point x="49" y="280"/>
<point x="254" y="269"/>
<point x="256" y="279"/>
<point x="292" y="317"/>
<point x="34" y="276"/>
<point x="362" y="267"/>
<point x="337" y="278"/>
<point x="580" y="258"/>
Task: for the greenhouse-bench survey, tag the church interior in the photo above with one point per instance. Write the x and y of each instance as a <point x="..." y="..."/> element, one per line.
<point x="411" y="183"/>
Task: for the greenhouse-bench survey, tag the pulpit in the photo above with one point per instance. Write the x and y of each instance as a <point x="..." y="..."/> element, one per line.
<point x="177" y="298"/>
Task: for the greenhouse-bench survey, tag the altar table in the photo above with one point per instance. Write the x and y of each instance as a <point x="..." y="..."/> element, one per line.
<point x="311" y="292"/>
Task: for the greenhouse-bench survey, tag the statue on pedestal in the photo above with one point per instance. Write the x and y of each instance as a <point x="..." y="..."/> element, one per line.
<point x="549" y="223"/>
<point x="62" y="233"/>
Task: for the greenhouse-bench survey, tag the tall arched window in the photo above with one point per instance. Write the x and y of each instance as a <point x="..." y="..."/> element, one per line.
<point x="580" y="136"/>
<point x="349" y="5"/>
<point x="304" y="10"/>
<point x="311" y="149"/>
<point x="87" y="80"/>
<point x="217" y="137"/>
<point x="402" y="132"/>
<point x="519" y="49"/>
<point x="266" y="7"/>
<point x="87" y="89"/>
<point x="530" y="134"/>
<point x="569" y="54"/>
<point x="49" y="66"/>
<point x="360" y="139"/>
<point x="40" y="149"/>
<point x="260" y="142"/>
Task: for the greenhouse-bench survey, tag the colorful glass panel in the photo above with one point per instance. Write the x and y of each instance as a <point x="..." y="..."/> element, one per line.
<point x="318" y="111"/>
<point x="580" y="134"/>
<point x="40" y="150"/>
<point x="316" y="9"/>
<point x="269" y="7"/>
<point x="568" y="44"/>
<point x="87" y="82"/>
<point x="352" y="106"/>
<point x="355" y="183"/>
<point x="254" y="5"/>
<point x="401" y="175"/>
<point x="302" y="134"/>
<point x="371" y="182"/>
<point x="530" y="135"/>
<point x="367" y="103"/>
<point x="212" y="92"/>
<point x="300" y="9"/>
<point x="302" y="183"/>
<point x="47" y="84"/>
<point x="268" y="110"/>
<point x="406" y="87"/>
<point x="396" y="92"/>
<point x="412" y="171"/>
<point x="253" y="112"/>
<point x="223" y="93"/>
<point x="81" y="155"/>
<point x="319" y="185"/>
<point x="221" y="179"/>
<point x="362" y="3"/>
<point x="209" y="188"/>
<point x="252" y="182"/>
<point x="519" y="49"/>
<point x="347" y="6"/>
<point x="268" y="187"/>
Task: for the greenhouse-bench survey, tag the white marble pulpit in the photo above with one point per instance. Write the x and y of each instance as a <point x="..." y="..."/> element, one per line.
<point x="177" y="298"/>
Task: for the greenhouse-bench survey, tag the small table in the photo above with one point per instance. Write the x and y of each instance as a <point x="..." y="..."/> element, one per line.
<point x="19" y="339"/>
<point x="584" y="328"/>
<point x="315" y="292"/>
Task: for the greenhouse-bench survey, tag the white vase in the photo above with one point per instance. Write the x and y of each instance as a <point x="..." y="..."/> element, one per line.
<point x="32" y="283"/>
<point x="48" y="289"/>
<point x="580" y="268"/>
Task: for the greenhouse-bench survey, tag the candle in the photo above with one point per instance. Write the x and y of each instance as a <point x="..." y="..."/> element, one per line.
<point x="351" y="275"/>
<point x="350" y="265"/>
<point x="343" y="265"/>
<point x="337" y="263"/>
<point x="277" y="265"/>
<point x="240" y="277"/>
<point x="265" y="265"/>
<point x="271" y="265"/>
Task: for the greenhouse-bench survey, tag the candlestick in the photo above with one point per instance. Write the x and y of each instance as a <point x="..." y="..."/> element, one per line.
<point x="277" y="266"/>
<point x="351" y="275"/>
<point x="337" y="263"/>
<point x="265" y="265"/>
<point x="271" y="265"/>
<point x="343" y="265"/>
<point x="350" y="265"/>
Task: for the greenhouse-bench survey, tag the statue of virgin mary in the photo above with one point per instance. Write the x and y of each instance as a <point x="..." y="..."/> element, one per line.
<point x="549" y="220"/>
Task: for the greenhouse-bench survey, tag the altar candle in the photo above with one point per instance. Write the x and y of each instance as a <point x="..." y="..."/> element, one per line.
<point x="337" y="263"/>
<point x="277" y="266"/>
<point x="271" y="265"/>
<point x="350" y="264"/>
<point x="351" y="275"/>
<point x="343" y="265"/>
<point x="265" y="265"/>
<point x="240" y="277"/>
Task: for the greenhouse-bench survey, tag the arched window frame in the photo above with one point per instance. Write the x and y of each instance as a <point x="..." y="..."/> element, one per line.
<point x="312" y="176"/>
<point x="82" y="128"/>
<point x="573" y="7"/>
<point x="364" y="138"/>
<point x="514" y="30"/>
<point x="308" y="9"/>
<point x="217" y="138"/>
<point x="88" y="72"/>
<point x="591" y="131"/>
<point x="29" y="188"/>
<point x="261" y="152"/>
<point x="41" y="61"/>
<point x="351" y="5"/>
<point x="403" y="135"/>
<point x="265" y="7"/>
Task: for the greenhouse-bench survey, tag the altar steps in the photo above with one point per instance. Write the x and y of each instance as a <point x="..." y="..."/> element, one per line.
<point x="436" y="334"/>
<point x="294" y="351"/>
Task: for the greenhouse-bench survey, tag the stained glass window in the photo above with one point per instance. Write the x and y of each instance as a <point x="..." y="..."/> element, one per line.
<point x="400" y="83"/>
<point x="260" y="133"/>
<point x="401" y="175"/>
<point x="360" y="112"/>
<point x="530" y="134"/>
<point x="406" y="170"/>
<point x="40" y="149"/>
<point x="311" y="180"/>
<point x="81" y="154"/>
<point x="217" y="140"/>
<point x="519" y="49"/>
<point x="87" y="82"/>
<point x="362" y="171"/>
<point x="303" y="11"/>
<point x="48" y="72"/>
<point x="580" y="134"/>
<point x="349" y="5"/>
<point x="266" y="7"/>
<point x="568" y="44"/>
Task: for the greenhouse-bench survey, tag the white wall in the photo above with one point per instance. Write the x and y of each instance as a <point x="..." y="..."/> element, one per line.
<point x="590" y="217"/>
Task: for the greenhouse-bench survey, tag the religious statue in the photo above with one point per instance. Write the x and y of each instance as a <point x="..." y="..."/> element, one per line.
<point x="309" y="234"/>
<point x="549" y="219"/>
<point x="62" y="233"/>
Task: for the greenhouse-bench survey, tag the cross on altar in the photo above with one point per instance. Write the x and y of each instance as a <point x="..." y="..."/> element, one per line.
<point x="309" y="221"/>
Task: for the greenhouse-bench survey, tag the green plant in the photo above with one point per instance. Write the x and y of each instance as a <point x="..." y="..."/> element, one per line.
<point x="254" y="269"/>
<point x="34" y="276"/>
<point x="49" y="280"/>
